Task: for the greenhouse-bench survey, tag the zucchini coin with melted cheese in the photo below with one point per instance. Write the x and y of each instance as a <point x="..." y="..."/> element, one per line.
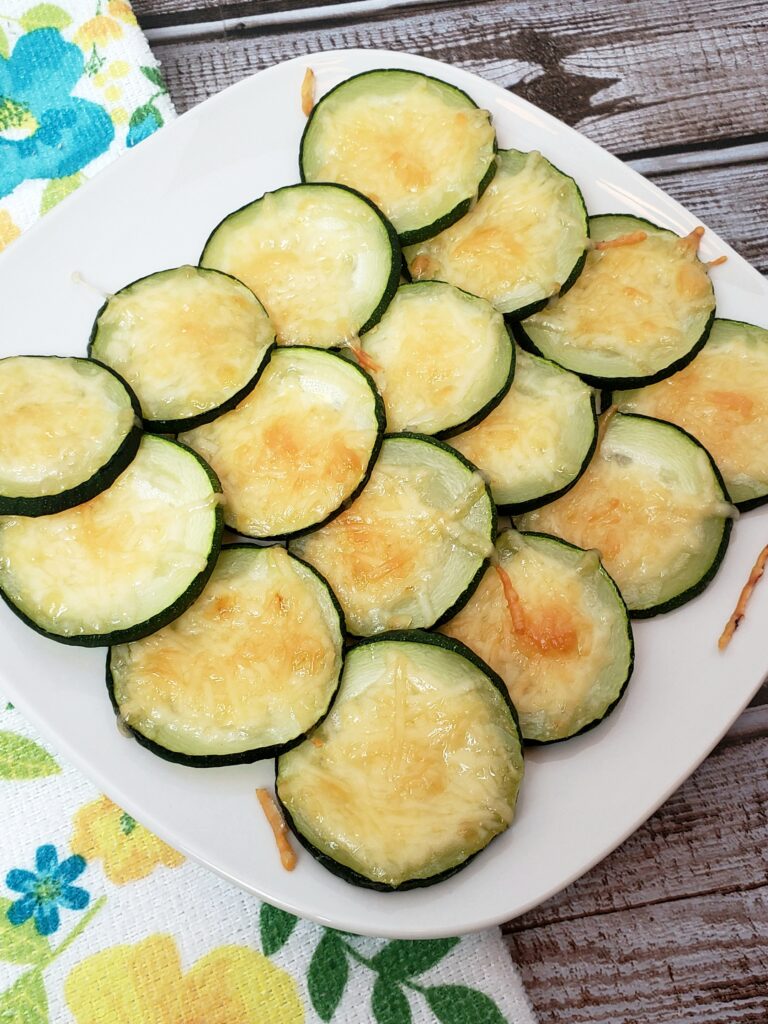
<point x="243" y="673"/>
<point x="68" y="429"/>
<point x="411" y="549"/>
<point x="722" y="399"/>
<point x="419" y="148"/>
<point x="415" y="770"/>
<point x="298" y="448"/>
<point x="522" y="242"/>
<point x="123" y="564"/>
<point x="653" y="504"/>
<point x="548" y="618"/>
<point x="191" y="343"/>
<point x="640" y="310"/>
<point x="322" y="258"/>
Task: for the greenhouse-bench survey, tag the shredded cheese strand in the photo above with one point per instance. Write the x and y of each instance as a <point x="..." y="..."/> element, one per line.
<point x="692" y="240"/>
<point x="631" y="238"/>
<point x="308" y="92"/>
<point x="741" y="607"/>
<point x="279" y="828"/>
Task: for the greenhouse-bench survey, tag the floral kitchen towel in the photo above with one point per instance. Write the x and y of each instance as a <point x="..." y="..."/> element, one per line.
<point x="102" y="923"/>
<point x="78" y="84"/>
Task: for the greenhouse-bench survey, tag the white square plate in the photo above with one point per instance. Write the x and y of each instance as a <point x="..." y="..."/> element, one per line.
<point x="154" y="209"/>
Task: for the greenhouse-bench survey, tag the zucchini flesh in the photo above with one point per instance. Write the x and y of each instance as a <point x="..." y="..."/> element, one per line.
<point x="524" y="241"/>
<point x="244" y="672"/>
<point x="537" y="442"/>
<point x="441" y="358"/>
<point x="417" y="147"/>
<point x="412" y="547"/>
<point x="68" y="428"/>
<point x="653" y="504"/>
<point x="637" y="312"/>
<point x="123" y="564"/>
<point x="298" y="447"/>
<point x="416" y="768"/>
<point x="556" y="630"/>
<point x="191" y="342"/>
<point x="722" y="399"/>
<point x="321" y="258"/>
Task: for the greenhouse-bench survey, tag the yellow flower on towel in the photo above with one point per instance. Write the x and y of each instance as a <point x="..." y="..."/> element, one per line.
<point x="129" y="851"/>
<point x="9" y="232"/>
<point x="122" y="10"/>
<point x="144" y="984"/>
<point x="97" y="31"/>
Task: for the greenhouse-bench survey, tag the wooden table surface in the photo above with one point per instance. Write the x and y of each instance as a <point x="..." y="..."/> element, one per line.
<point x="673" y="927"/>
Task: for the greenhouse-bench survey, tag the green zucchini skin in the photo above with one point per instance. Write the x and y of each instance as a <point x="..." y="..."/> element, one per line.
<point x="177" y="426"/>
<point x="490" y="405"/>
<point x="412" y="237"/>
<point x="474" y="583"/>
<point x="743" y="506"/>
<point x="618" y="383"/>
<point x="570" y="281"/>
<point x="517" y="509"/>
<point x="381" y="420"/>
<point x="245" y="756"/>
<point x="621" y="383"/>
<point x="354" y="877"/>
<point x="709" y="575"/>
<point x="106" y="475"/>
<point x="417" y="235"/>
<point x="397" y="259"/>
<point x="162" y="618"/>
<point x="630" y="639"/>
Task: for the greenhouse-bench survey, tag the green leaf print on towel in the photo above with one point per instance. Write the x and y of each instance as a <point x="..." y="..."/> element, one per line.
<point x="21" y="758"/>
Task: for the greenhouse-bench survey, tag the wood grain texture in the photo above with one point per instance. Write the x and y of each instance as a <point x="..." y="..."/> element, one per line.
<point x="634" y="77"/>
<point x="733" y="201"/>
<point x="672" y="927"/>
<point x="710" y="837"/>
<point x="697" y="961"/>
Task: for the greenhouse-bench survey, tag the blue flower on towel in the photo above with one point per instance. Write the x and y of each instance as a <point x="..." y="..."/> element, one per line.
<point x="47" y="889"/>
<point x="45" y="132"/>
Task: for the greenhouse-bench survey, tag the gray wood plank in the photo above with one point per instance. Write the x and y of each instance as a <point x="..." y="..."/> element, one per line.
<point x="635" y="77"/>
<point x="732" y="200"/>
<point x="164" y="12"/>
<point x="709" y="838"/>
<point x="702" y="960"/>
<point x="673" y="926"/>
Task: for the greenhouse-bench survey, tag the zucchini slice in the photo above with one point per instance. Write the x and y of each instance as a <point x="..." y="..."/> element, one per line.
<point x="68" y="429"/>
<point x="322" y="259"/>
<point x="123" y="564"/>
<point x="298" y="448"/>
<point x="412" y="547"/>
<point x="243" y="673"/>
<point x="191" y="343"/>
<point x="441" y="358"/>
<point x="551" y="622"/>
<point x="523" y="242"/>
<point x="538" y="441"/>
<point x="722" y="399"/>
<point x="639" y="311"/>
<point x="421" y="149"/>
<point x="653" y="504"/>
<point x="414" y="771"/>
